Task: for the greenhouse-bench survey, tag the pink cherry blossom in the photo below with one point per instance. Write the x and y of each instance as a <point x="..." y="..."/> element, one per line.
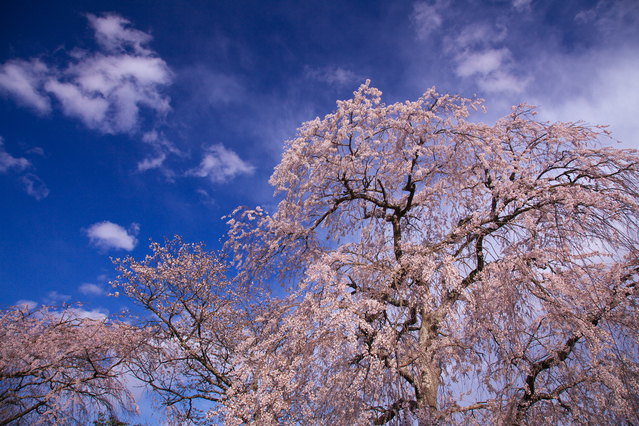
<point x="439" y="271"/>
<point x="57" y="367"/>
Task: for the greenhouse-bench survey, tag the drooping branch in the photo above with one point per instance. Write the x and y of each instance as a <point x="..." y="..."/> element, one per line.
<point x="530" y="395"/>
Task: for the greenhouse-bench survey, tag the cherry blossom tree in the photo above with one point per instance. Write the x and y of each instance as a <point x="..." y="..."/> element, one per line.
<point x="195" y="338"/>
<point x="57" y="367"/>
<point x="440" y="272"/>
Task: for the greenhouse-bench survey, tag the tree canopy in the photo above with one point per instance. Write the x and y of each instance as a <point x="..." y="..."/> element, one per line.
<point x="440" y="271"/>
<point x="58" y="368"/>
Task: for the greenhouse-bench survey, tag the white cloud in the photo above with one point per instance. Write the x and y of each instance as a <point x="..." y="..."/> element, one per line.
<point x="36" y="150"/>
<point x="108" y="235"/>
<point x="522" y="5"/>
<point x="480" y="62"/>
<point x="89" y="289"/>
<point x="111" y="33"/>
<point x="75" y="103"/>
<point x="490" y="70"/>
<point x="7" y="161"/>
<point x="221" y="164"/>
<point x="612" y="17"/>
<point x="151" y="163"/>
<point x="103" y="74"/>
<point x="94" y="314"/>
<point x="29" y="304"/>
<point x="501" y="81"/>
<point x="427" y="17"/>
<point x="104" y="90"/>
<point x="586" y="16"/>
<point x="333" y="75"/>
<point x="477" y="36"/>
<point x="206" y="198"/>
<point x="160" y="142"/>
<point x="600" y="88"/>
<point x="22" y="80"/>
<point x="162" y="147"/>
<point x="34" y="186"/>
<point x="477" y="58"/>
<point x="55" y="297"/>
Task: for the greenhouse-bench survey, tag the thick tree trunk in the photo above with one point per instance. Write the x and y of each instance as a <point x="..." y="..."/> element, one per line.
<point x="430" y="371"/>
<point x="429" y="385"/>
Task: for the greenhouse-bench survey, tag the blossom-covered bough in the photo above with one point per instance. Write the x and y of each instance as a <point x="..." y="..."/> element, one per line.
<point x="58" y="367"/>
<point x="196" y="333"/>
<point x="441" y="272"/>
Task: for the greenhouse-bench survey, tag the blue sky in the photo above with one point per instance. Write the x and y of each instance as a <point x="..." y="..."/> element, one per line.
<point x="126" y="121"/>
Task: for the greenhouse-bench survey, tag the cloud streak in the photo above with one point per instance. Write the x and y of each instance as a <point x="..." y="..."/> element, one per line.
<point x="332" y="75"/>
<point x="162" y="147"/>
<point x="89" y="289"/>
<point x="479" y="54"/>
<point x="31" y="183"/>
<point x="23" y="80"/>
<point x="9" y="162"/>
<point x="111" y="33"/>
<point x="598" y="89"/>
<point x="427" y="17"/>
<point x="34" y="186"/>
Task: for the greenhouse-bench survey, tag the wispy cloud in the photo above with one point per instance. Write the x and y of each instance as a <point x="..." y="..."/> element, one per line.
<point x="478" y="51"/>
<point x="332" y="75"/>
<point x="107" y="90"/>
<point x="94" y="314"/>
<point x="480" y="55"/>
<point x="36" y="150"/>
<point x="57" y="299"/>
<point x="521" y="5"/>
<point x="9" y="162"/>
<point x="112" y="34"/>
<point x="89" y="289"/>
<point x="32" y="184"/>
<point x="427" y="17"/>
<point x="29" y="304"/>
<point x="23" y="81"/>
<point x="104" y="90"/>
<point x="206" y="87"/>
<point x="161" y="147"/>
<point x="607" y="16"/>
<point x="220" y="164"/>
<point x="205" y="197"/>
<point x="600" y="88"/>
<point x="107" y="235"/>
<point x="53" y="297"/>
<point x="151" y="163"/>
<point x="482" y="63"/>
